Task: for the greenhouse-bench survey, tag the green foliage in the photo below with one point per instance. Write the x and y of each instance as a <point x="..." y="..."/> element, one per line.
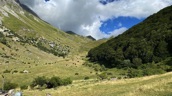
<point x="134" y="73"/>
<point x="146" y="70"/>
<point x="57" y="50"/>
<point x="3" y="40"/>
<point x="66" y="81"/>
<point x="39" y="81"/>
<point x="53" y="82"/>
<point x="144" y="43"/>
<point x="103" y="76"/>
<point x="137" y="62"/>
<point x="15" y="71"/>
<point x="151" y="71"/>
<point x="7" y="71"/>
<point x="169" y="62"/>
<point x="86" y="78"/>
<point x="95" y="66"/>
<point x="24" y="87"/>
<point x="9" y="86"/>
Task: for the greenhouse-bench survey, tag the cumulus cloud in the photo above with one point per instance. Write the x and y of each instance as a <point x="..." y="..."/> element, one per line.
<point x="118" y="31"/>
<point x="84" y="16"/>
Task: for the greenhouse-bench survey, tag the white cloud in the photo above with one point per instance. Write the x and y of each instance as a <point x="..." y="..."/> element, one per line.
<point x="118" y="31"/>
<point x="84" y="16"/>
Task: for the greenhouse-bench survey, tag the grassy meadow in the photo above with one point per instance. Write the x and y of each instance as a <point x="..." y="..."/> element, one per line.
<point x="157" y="85"/>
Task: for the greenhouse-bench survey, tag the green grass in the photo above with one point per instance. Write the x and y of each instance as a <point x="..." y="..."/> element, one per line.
<point x="38" y="28"/>
<point x="37" y="62"/>
<point x="157" y="85"/>
<point x="40" y="63"/>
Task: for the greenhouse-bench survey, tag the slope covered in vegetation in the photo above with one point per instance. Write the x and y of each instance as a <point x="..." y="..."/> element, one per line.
<point x="18" y="23"/>
<point x="147" y="42"/>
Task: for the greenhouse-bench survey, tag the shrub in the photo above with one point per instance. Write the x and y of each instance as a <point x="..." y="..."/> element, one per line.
<point x="54" y="82"/>
<point x="150" y="71"/>
<point x="86" y="78"/>
<point x="39" y="81"/>
<point x="8" y="85"/>
<point x="66" y="81"/>
<point x="109" y="73"/>
<point x="169" y="62"/>
<point x="119" y="78"/>
<point x="23" y="87"/>
<point x="103" y="68"/>
<point x="15" y="71"/>
<point x="137" y="62"/>
<point x="134" y="73"/>
<point x="76" y="73"/>
<point x="103" y="76"/>
<point x="7" y="71"/>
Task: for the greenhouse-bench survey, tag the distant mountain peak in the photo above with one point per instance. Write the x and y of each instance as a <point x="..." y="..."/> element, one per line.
<point x="71" y="32"/>
<point x="90" y="37"/>
<point x="26" y="8"/>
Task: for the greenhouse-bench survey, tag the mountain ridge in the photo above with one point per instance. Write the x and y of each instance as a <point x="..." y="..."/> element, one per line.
<point x="26" y="8"/>
<point x="31" y="29"/>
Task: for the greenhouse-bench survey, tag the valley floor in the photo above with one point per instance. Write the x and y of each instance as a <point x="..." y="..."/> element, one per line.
<point x="157" y="85"/>
<point x="72" y="66"/>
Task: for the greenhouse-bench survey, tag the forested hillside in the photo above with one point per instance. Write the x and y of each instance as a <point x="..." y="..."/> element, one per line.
<point x="147" y="42"/>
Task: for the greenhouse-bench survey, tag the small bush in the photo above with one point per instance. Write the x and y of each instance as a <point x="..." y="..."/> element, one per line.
<point x="109" y="73"/>
<point x="7" y="71"/>
<point x="103" y="76"/>
<point x="54" y="82"/>
<point x="9" y="85"/>
<point x="103" y="68"/>
<point x="76" y="73"/>
<point x="134" y="73"/>
<point x="119" y="77"/>
<point x="66" y="81"/>
<point x="150" y="71"/>
<point x="86" y="78"/>
<point x="15" y="71"/>
<point x="39" y="81"/>
<point x="24" y="87"/>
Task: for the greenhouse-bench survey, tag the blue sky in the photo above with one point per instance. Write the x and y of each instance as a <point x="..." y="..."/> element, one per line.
<point x="98" y="18"/>
<point x="47" y="0"/>
<point x="117" y="23"/>
<point x="104" y="2"/>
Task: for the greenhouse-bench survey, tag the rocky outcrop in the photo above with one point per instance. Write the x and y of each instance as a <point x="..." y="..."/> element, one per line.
<point x="0" y="22"/>
<point x="5" y="2"/>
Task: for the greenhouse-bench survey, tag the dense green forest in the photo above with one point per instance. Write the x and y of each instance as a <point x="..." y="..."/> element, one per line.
<point x="147" y="42"/>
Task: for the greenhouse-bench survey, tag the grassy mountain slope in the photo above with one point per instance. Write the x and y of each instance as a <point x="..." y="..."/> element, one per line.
<point x="147" y="42"/>
<point x="29" y="43"/>
<point x="32" y="30"/>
